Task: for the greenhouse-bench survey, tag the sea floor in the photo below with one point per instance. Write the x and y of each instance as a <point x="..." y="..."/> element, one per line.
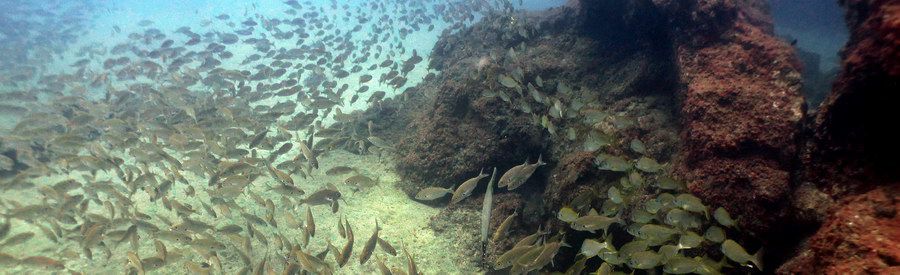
<point x="404" y="222"/>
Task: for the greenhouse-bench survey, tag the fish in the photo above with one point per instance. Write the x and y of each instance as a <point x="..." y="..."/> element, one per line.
<point x="135" y="262"/>
<point x="681" y="265"/>
<point x="614" y="195"/>
<point x="591" y="247"/>
<point x="723" y="218"/>
<point x="508" y="82"/>
<point x="567" y="214"/>
<point x="465" y="189"/>
<point x="656" y="233"/>
<point x="308" y="154"/>
<point x="381" y="143"/>
<point x="287" y="190"/>
<point x="516" y="176"/>
<point x="548" y="251"/>
<point x="348" y="247"/>
<point x="386" y="247"/>
<point x="310" y="222"/>
<point x="432" y="193"/>
<point x="714" y="234"/>
<point x="282" y="177"/>
<point x="4" y="228"/>
<point x="411" y="267"/>
<point x="326" y="195"/>
<point x="17" y="239"/>
<point x="507" y="258"/>
<point x="593" y="222"/>
<point x="369" y="247"/>
<point x="339" y="170"/>
<point x="736" y="253"/>
<point x="644" y="260"/>
<point x="691" y="203"/>
<point x="208" y="244"/>
<point x="360" y="181"/>
<point x="501" y="230"/>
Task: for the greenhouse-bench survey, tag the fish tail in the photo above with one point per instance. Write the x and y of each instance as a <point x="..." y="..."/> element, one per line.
<point x="540" y="160"/>
<point x="757" y="259"/>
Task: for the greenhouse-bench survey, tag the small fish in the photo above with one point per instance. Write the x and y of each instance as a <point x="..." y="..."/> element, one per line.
<point x="161" y="250"/>
<point x="530" y="239"/>
<point x="281" y="176"/>
<point x="387" y="247"/>
<point x="691" y="203"/>
<point x="519" y="176"/>
<point x="208" y="244"/>
<point x="736" y="253"/>
<point x="714" y="234"/>
<point x="647" y="165"/>
<point x="310" y="222"/>
<point x="508" y="82"/>
<point x="548" y="251"/>
<point x="689" y="239"/>
<point x="644" y="260"/>
<point x="507" y="258"/>
<point x="411" y="267"/>
<point x="465" y="189"/>
<point x="348" y="247"/>
<point x="339" y="170"/>
<point x="655" y="232"/>
<point x="325" y="195"/>
<point x="381" y="143"/>
<point x="503" y="227"/>
<point x="308" y="154"/>
<point x="287" y="190"/>
<point x="360" y="180"/>
<point x="567" y="214"/>
<point x="591" y="247"/>
<point x="432" y="193"/>
<point x="593" y="222"/>
<point x="369" y="247"/>
<point x="681" y="265"/>
<point x="17" y="239"/>
<point x="135" y="262"/>
<point x="614" y="195"/>
<point x="722" y="216"/>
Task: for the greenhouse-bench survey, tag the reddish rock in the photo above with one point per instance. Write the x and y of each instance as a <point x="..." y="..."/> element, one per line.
<point x="741" y="108"/>
<point x="850" y="149"/>
<point x="851" y="154"/>
<point x="861" y="237"/>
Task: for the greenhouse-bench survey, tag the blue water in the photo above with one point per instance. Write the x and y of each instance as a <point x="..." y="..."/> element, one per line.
<point x="817" y="25"/>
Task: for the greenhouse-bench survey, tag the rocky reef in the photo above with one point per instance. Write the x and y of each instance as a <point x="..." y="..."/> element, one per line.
<point x="704" y="87"/>
<point x="741" y="108"/>
<point x="849" y="166"/>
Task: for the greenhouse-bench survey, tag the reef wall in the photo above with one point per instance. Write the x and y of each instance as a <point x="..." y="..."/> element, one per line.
<point x="712" y="71"/>
<point x="850" y="169"/>
<point x="741" y="108"/>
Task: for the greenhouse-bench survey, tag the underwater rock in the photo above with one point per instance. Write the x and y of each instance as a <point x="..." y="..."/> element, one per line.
<point x="849" y="150"/>
<point x="861" y="236"/>
<point x="849" y="165"/>
<point x="741" y="108"/>
<point x="575" y="173"/>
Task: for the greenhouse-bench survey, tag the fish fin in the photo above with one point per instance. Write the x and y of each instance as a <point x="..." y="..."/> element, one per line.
<point x="757" y="259"/>
<point x="540" y="161"/>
